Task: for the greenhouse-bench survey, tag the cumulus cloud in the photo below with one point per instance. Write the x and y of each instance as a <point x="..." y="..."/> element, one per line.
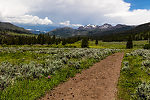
<point x="76" y="11"/>
<point x="28" y="19"/>
<point x="133" y="17"/>
<point x="18" y="11"/>
<point x="67" y="23"/>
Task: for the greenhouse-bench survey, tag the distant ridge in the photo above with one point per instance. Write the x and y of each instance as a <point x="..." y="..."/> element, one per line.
<point x="90" y="30"/>
<point x="5" y="26"/>
<point x="140" y="32"/>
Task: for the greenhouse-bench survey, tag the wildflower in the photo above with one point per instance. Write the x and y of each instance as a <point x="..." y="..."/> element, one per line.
<point x="49" y="77"/>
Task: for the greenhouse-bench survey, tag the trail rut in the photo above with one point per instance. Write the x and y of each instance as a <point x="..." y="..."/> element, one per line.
<point x="96" y="83"/>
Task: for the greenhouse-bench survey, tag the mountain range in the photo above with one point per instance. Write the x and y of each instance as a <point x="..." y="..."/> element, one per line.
<point x="104" y="27"/>
<point x="104" y="32"/>
<point x="90" y="30"/>
<point x="87" y="30"/>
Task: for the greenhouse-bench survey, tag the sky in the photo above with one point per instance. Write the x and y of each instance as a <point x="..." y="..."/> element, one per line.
<point x="75" y="12"/>
<point x="139" y="4"/>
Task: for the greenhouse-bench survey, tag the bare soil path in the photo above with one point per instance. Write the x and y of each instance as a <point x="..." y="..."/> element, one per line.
<point x="97" y="83"/>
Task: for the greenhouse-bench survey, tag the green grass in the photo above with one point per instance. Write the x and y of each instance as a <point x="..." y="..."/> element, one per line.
<point x="25" y="89"/>
<point x="116" y="45"/>
<point x="16" y="34"/>
<point x="111" y="45"/>
<point x="21" y="57"/>
<point x="30" y="89"/>
<point x="130" y="79"/>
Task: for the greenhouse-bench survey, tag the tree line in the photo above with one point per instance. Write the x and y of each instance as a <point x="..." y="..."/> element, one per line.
<point x="39" y="39"/>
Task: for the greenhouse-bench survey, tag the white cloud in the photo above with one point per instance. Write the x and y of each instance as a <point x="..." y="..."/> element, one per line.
<point x="77" y="11"/>
<point x="28" y="19"/>
<point x="67" y="23"/>
<point x="16" y="11"/>
<point x="77" y="25"/>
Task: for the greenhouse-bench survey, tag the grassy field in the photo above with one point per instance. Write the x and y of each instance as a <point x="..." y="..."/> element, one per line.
<point x="16" y="34"/>
<point x="116" y="45"/>
<point x="134" y="80"/>
<point x="111" y="45"/>
<point x="26" y="73"/>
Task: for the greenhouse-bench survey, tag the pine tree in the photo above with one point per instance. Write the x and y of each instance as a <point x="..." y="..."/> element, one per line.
<point x="41" y="39"/>
<point x="129" y="44"/>
<point x="53" y="39"/>
<point x="85" y="43"/>
<point x="64" y="42"/>
<point x="96" y="42"/>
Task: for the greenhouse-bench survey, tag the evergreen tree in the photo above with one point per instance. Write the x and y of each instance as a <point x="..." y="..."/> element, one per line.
<point x="49" y="40"/>
<point x="96" y="42"/>
<point x="57" y="41"/>
<point x="85" y="43"/>
<point x="64" y="42"/>
<point x="129" y="44"/>
<point x="41" y="39"/>
<point x="53" y="39"/>
<point x="34" y="40"/>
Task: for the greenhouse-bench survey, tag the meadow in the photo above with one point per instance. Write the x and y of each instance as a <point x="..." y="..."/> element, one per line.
<point x="16" y="34"/>
<point x="27" y="72"/>
<point x="110" y="45"/>
<point x="134" y="80"/>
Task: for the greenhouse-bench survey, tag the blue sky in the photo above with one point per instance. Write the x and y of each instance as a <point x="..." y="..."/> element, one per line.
<point x="139" y="4"/>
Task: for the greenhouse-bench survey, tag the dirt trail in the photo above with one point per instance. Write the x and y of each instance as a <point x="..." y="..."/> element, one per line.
<point x="97" y="83"/>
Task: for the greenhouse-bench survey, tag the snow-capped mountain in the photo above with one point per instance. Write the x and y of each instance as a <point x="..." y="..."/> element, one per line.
<point x="89" y="26"/>
<point x="104" y="27"/>
<point x="90" y="30"/>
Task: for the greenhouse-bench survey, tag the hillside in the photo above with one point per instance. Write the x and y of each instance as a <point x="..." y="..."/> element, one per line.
<point x="13" y="35"/>
<point x="140" y="32"/>
<point x="4" y="26"/>
<point x="63" y="32"/>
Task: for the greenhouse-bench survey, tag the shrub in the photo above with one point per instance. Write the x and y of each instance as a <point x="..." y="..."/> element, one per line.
<point x="147" y="46"/>
<point x="146" y="63"/>
<point x="125" y="66"/>
<point x="143" y="92"/>
<point x="52" y="59"/>
<point x="129" y="44"/>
